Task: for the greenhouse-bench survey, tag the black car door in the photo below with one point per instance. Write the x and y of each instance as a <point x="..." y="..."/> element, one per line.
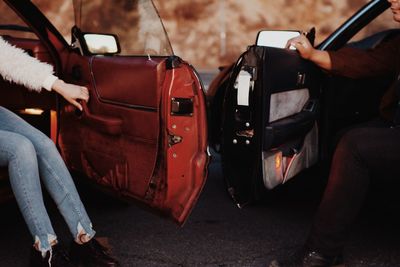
<point x="270" y="126"/>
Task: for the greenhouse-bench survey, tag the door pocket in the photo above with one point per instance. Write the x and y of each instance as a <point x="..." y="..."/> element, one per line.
<point x="282" y="131"/>
<point x="285" y="104"/>
<point x="104" y="124"/>
<point x="279" y="166"/>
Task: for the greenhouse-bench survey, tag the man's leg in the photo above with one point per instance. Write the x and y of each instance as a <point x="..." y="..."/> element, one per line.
<point x="361" y="154"/>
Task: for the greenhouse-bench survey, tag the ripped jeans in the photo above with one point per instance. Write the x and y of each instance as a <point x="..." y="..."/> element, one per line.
<point x="31" y="155"/>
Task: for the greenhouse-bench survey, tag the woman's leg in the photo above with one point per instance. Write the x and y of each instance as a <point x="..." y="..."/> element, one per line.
<point x="54" y="174"/>
<point x="361" y="154"/>
<point x="18" y="153"/>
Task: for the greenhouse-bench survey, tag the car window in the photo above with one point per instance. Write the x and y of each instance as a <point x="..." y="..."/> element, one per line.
<point x="59" y="13"/>
<point x="11" y="24"/>
<point x="382" y="22"/>
<point x="135" y="22"/>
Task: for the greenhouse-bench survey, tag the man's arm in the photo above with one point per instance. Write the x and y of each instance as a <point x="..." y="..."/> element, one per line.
<point x="307" y="51"/>
<point x="351" y="62"/>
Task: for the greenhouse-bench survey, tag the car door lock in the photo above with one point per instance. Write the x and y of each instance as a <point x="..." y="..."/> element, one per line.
<point x="174" y="139"/>
<point x="182" y="106"/>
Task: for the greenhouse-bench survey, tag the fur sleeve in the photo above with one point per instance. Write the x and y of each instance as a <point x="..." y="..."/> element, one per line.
<point x="17" y="66"/>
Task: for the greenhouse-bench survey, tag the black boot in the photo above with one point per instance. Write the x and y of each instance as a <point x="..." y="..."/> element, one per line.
<point x="92" y="254"/>
<point x="57" y="257"/>
<point x="315" y="259"/>
<point x="308" y="258"/>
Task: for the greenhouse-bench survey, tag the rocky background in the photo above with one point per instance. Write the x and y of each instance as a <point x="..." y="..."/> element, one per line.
<point x="210" y="33"/>
<point x="214" y="32"/>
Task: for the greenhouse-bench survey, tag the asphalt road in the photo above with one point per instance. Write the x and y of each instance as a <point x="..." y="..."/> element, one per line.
<point x="217" y="232"/>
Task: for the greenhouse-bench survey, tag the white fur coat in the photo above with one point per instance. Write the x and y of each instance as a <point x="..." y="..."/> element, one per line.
<point x="19" y="67"/>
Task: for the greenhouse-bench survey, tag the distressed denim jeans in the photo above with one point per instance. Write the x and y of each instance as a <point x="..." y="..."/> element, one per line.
<point x="33" y="158"/>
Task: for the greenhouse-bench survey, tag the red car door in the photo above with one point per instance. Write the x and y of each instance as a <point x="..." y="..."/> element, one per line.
<point x="143" y="134"/>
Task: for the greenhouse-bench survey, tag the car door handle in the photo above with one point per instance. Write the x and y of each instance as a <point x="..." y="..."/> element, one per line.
<point x="301" y="79"/>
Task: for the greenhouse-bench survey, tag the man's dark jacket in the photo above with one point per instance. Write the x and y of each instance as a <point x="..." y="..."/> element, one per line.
<point x="380" y="61"/>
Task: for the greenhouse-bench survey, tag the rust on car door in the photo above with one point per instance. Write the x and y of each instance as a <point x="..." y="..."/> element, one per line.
<point x="143" y="134"/>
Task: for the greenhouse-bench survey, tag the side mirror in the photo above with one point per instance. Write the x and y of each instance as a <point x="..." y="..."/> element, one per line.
<point x="275" y="38"/>
<point x="95" y="43"/>
<point x="101" y="43"/>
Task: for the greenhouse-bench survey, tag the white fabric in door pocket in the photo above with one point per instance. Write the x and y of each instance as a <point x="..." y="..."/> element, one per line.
<point x="285" y="104"/>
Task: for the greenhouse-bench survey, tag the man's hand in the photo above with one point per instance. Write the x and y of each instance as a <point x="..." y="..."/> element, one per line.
<point x="303" y="46"/>
<point x="307" y="51"/>
<point x="71" y="92"/>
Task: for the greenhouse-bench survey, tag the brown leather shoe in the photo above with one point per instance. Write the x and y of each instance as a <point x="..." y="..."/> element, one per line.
<point x="92" y="254"/>
<point x="57" y="257"/>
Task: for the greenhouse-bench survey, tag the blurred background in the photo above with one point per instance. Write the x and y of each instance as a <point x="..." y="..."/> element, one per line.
<point x="211" y="33"/>
<point x="215" y="32"/>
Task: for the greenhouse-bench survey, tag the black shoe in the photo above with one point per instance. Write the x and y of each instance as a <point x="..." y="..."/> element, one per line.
<point x="92" y="254"/>
<point x="315" y="259"/>
<point x="57" y="257"/>
<point x="307" y="258"/>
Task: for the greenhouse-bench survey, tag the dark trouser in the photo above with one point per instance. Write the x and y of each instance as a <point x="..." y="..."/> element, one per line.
<point x="371" y="151"/>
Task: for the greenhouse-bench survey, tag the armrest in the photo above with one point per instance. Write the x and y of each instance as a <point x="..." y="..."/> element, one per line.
<point x="105" y="124"/>
<point x="292" y="127"/>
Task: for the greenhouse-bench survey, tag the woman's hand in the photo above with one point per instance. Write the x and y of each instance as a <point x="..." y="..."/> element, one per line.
<point x="71" y="92"/>
<point x="307" y="51"/>
<point x="303" y="46"/>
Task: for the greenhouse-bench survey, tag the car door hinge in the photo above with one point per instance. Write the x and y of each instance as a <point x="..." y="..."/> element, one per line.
<point x="174" y="139"/>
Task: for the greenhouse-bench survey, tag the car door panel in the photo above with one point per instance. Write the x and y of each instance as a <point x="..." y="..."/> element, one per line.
<point x="125" y="144"/>
<point x="144" y="73"/>
<point x="274" y="135"/>
<point x="290" y="143"/>
<point x="110" y="125"/>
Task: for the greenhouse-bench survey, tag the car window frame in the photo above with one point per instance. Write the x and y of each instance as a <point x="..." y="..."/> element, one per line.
<point x="354" y="24"/>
